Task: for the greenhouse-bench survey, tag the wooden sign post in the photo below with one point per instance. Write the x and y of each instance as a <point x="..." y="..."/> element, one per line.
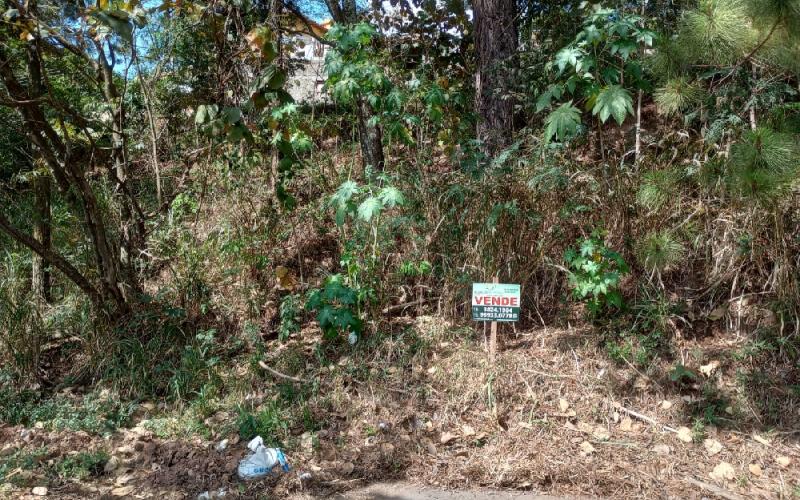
<point x="495" y="302"/>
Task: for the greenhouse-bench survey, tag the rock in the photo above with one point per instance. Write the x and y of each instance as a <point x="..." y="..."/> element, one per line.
<point x="467" y="431"/>
<point x="112" y="464"/>
<point x="428" y="445"/>
<point x="221" y="446"/>
<point x="685" y="434"/>
<point x="662" y="449"/>
<point x="305" y="477"/>
<point x="209" y="495"/>
<point x="783" y="461"/>
<point x="123" y="480"/>
<point x="712" y="446"/>
<point x="601" y="433"/>
<point x="626" y="425"/>
<point x="723" y="472"/>
<point x="587" y="448"/>
<point x="124" y="450"/>
<point x="761" y="440"/>
<point x="563" y="405"/>
<point x="346" y="468"/>
<point x="755" y="470"/>
<point x="666" y="405"/>
<point x="446" y="437"/>
<point x="39" y="491"/>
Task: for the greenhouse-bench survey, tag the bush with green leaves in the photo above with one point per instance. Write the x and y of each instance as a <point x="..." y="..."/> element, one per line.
<point x="598" y="70"/>
<point x="338" y="309"/>
<point x="595" y="272"/>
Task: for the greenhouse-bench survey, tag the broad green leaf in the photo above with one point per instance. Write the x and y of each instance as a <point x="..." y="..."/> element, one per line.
<point x="562" y="122"/>
<point x="369" y="208"/>
<point x="345" y="192"/>
<point x="568" y="56"/>
<point x="613" y="101"/>
<point x="390" y="196"/>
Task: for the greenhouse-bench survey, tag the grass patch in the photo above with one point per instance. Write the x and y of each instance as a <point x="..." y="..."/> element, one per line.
<point x="93" y="413"/>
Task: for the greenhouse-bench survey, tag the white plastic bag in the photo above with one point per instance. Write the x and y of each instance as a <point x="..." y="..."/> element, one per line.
<point x="262" y="461"/>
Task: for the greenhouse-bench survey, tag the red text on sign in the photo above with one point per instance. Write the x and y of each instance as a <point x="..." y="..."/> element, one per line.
<point x="497" y="301"/>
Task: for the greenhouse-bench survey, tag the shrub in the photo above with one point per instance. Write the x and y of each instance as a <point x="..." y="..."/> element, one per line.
<point x="594" y="274"/>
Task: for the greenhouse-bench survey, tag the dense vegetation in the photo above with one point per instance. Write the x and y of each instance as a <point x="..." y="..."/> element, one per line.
<point x="168" y="208"/>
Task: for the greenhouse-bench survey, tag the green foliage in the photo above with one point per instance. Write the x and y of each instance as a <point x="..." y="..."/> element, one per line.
<point x="660" y="250"/>
<point x="93" y="413"/>
<point x="411" y="269"/>
<point x="82" y="465"/>
<point x="289" y="313"/>
<point x="682" y="375"/>
<point x="269" y="423"/>
<point x="595" y="272"/>
<point x="598" y="69"/>
<point x="677" y="95"/>
<point x="197" y="367"/>
<point x="364" y="203"/>
<point x="763" y="164"/>
<point x="613" y="101"/>
<point x="338" y="309"/>
<point x="562" y="122"/>
<point x="658" y="188"/>
<point x="716" y="32"/>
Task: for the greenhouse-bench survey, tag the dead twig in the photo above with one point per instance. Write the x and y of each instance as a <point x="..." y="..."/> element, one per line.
<point x="714" y="489"/>
<point x="644" y="418"/>
<point x="281" y="375"/>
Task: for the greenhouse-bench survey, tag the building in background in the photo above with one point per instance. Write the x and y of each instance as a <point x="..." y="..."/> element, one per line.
<point x="307" y="81"/>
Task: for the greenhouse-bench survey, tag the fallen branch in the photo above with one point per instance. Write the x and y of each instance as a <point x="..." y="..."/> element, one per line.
<point x="281" y="375"/>
<point x="714" y="489"/>
<point x="644" y="418"/>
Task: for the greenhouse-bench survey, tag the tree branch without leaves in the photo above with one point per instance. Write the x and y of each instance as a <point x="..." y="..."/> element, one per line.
<point x="52" y="258"/>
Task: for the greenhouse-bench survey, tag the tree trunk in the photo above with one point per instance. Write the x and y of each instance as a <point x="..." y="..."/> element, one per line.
<point x="495" y="47"/>
<point x="371" y="138"/>
<point x="57" y="156"/>
<point x="40" y="275"/>
<point x="369" y="135"/>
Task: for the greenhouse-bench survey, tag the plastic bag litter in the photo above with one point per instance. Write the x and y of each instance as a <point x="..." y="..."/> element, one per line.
<point x="262" y="461"/>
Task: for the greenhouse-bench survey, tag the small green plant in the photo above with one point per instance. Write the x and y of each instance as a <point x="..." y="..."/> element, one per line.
<point x="289" y="312"/>
<point x="682" y="375"/>
<point x="412" y="269"/>
<point x="595" y="272"/>
<point x="269" y="423"/>
<point x="197" y="368"/>
<point x="82" y="464"/>
<point x="337" y="308"/>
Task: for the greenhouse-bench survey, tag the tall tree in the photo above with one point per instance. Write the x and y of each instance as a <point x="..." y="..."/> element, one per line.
<point x="369" y="132"/>
<point x="495" y="48"/>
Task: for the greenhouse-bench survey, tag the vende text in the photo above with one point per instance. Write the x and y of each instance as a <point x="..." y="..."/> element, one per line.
<point x="497" y="301"/>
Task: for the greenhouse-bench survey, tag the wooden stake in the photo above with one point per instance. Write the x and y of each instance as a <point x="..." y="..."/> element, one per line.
<point x="493" y="336"/>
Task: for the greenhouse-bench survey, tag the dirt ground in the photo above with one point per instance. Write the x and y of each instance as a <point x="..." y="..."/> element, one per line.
<point x="554" y="417"/>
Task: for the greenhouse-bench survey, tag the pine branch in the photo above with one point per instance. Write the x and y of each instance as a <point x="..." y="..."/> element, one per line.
<point x="748" y="56"/>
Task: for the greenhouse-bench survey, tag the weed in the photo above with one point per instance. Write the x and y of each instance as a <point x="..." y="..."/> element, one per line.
<point x="269" y="423"/>
<point x="595" y="273"/>
<point x="94" y="413"/>
<point x="289" y="313"/>
<point x="82" y="465"/>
